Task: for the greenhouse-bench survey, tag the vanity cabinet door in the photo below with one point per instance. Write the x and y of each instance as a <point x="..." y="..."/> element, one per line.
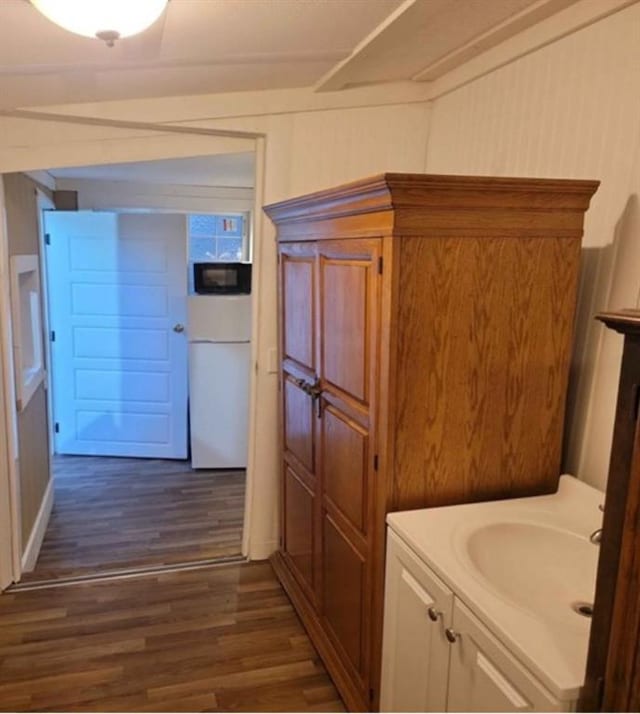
<point x="485" y="677"/>
<point x="415" y="652"/>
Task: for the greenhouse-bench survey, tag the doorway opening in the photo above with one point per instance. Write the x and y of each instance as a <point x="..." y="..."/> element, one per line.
<point x="148" y="381"/>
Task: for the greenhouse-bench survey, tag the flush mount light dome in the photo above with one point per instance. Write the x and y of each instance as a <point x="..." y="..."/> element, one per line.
<point x="106" y="19"/>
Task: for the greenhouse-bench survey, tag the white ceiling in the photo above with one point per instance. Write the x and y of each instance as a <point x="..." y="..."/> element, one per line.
<point x="206" y="46"/>
<point x="236" y="170"/>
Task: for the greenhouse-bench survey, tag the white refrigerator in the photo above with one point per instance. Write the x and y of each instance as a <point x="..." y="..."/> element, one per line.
<point x="219" y="328"/>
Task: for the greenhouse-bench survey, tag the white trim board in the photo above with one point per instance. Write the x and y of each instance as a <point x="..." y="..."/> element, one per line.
<point x="44" y="203"/>
<point x="156" y="112"/>
<point x="572" y="19"/>
<point x="7" y="554"/>
<point x="106" y="195"/>
<point x="43" y="178"/>
<point x="32" y="550"/>
<point x="6" y="521"/>
<point x="9" y="437"/>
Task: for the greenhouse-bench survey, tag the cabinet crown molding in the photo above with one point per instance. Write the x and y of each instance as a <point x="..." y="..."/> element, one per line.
<point x="438" y="205"/>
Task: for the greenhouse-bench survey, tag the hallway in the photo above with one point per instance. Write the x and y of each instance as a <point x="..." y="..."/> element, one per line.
<point x="222" y="638"/>
<point x="113" y="514"/>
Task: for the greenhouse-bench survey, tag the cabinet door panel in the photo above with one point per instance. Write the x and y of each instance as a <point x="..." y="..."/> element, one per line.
<point x="345" y="466"/>
<point x="344" y="579"/>
<point x="485" y="677"/>
<point x="415" y="654"/>
<point x="298" y="424"/>
<point x="346" y="344"/>
<point x="349" y="290"/>
<point x="300" y="520"/>
<point x="298" y="288"/>
<point x="298" y="543"/>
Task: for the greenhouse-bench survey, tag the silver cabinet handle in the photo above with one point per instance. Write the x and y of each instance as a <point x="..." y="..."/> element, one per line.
<point x="452" y="635"/>
<point x="434" y="614"/>
<point x="178" y="328"/>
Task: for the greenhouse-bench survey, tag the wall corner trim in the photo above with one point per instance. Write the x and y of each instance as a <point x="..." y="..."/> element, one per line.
<point x="263" y="550"/>
<point x="32" y="550"/>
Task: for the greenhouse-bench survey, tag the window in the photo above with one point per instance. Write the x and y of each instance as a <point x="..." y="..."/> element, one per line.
<point x="218" y="238"/>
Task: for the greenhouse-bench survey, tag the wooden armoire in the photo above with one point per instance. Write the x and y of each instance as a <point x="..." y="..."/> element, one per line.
<point x="426" y="335"/>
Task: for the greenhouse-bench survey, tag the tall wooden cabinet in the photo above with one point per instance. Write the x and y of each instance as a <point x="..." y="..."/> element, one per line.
<point x="426" y="333"/>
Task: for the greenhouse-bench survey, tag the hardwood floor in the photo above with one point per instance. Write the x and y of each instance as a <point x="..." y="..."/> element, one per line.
<point x="113" y="513"/>
<point x="212" y="639"/>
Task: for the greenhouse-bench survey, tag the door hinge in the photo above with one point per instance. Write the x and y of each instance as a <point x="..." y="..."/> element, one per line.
<point x="380" y="263"/>
<point x="53" y="335"/>
<point x="375" y="462"/>
<point x="56" y="428"/>
<point x="47" y="238"/>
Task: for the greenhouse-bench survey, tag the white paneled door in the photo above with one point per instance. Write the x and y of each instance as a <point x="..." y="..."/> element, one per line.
<point x="117" y="304"/>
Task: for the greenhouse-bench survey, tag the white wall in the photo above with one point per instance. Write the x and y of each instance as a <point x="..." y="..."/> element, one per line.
<point x="570" y="109"/>
<point x="310" y="142"/>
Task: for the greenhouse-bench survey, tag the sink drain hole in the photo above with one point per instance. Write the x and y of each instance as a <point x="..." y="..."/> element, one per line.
<point x="583" y="608"/>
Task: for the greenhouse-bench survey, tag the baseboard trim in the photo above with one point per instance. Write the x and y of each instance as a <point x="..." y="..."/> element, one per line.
<point x="32" y="550"/>
<point x="128" y="574"/>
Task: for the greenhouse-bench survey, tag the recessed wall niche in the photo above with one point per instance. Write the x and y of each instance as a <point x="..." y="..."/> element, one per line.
<point x="27" y="327"/>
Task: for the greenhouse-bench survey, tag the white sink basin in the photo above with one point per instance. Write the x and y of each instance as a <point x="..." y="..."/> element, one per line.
<point x="542" y="569"/>
<point x="521" y="565"/>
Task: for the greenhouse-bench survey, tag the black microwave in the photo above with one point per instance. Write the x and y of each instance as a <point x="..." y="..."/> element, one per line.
<point x="222" y="278"/>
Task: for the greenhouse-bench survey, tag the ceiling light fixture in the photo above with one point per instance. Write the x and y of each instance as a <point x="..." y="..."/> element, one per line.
<point x="108" y="20"/>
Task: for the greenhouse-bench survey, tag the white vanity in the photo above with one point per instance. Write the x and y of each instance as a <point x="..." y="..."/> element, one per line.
<point x="482" y="603"/>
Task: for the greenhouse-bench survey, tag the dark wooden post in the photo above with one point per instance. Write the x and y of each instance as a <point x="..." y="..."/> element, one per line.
<point x="613" y="664"/>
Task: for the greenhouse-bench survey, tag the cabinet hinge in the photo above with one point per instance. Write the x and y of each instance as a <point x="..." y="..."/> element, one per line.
<point x="380" y="263"/>
<point x="47" y="238"/>
<point x="600" y="693"/>
<point x="53" y="335"/>
<point x="375" y="462"/>
<point x="56" y="428"/>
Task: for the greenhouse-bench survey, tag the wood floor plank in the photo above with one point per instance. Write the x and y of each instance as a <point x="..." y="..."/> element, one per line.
<point x="212" y="639"/>
<point x="113" y="513"/>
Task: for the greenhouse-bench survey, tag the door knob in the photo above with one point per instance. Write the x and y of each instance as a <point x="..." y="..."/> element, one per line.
<point x="433" y="614"/>
<point x="178" y="328"/>
<point x="452" y="635"/>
